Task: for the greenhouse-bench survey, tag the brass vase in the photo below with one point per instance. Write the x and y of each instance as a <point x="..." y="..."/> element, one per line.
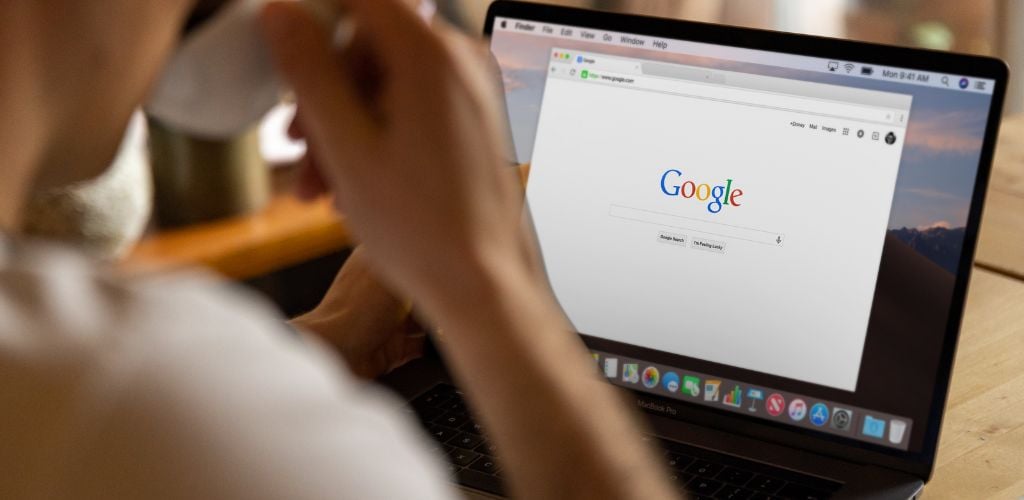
<point x="200" y="180"/>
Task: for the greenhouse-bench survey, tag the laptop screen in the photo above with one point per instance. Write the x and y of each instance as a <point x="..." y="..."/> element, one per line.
<point x="761" y="233"/>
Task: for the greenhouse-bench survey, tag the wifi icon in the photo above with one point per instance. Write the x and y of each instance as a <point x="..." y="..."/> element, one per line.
<point x="848" y="67"/>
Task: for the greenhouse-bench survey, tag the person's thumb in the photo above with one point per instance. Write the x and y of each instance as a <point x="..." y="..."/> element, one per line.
<point x="303" y="53"/>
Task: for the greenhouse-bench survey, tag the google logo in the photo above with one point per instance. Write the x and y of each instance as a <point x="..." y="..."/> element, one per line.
<point x="719" y="195"/>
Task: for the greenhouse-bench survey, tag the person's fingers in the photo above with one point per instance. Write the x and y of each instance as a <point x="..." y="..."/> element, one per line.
<point x="295" y="132"/>
<point x="415" y="345"/>
<point x="303" y="53"/>
<point x="359" y="59"/>
<point x="394" y="27"/>
<point x="406" y="346"/>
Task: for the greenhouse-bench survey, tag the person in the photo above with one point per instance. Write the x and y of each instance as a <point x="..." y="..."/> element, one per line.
<point x="183" y="387"/>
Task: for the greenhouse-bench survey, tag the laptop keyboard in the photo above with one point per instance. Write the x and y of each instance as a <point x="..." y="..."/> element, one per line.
<point x="699" y="472"/>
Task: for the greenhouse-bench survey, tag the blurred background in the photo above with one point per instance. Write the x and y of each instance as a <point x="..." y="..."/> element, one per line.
<point x="173" y="200"/>
<point x="989" y="27"/>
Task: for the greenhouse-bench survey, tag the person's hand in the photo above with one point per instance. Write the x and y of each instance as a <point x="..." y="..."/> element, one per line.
<point x="365" y="322"/>
<point x="403" y="128"/>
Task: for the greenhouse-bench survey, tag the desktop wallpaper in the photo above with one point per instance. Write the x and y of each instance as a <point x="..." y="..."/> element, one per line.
<point x="925" y="232"/>
<point x="938" y="167"/>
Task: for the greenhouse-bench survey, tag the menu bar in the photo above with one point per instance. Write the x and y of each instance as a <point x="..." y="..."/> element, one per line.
<point x="757" y="401"/>
<point x="851" y="69"/>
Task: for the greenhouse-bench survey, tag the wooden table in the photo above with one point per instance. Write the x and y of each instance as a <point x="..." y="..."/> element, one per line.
<point x="981" y="454"/>
<point x="1001" y="246"/>
<point x="286" y="232"/>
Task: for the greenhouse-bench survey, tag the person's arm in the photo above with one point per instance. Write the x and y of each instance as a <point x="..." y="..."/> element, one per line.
<point x="403" y="128"/>
<point x="560" y="431"/>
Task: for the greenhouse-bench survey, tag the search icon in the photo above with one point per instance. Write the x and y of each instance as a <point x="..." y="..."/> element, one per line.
<point x="945" y="80"/>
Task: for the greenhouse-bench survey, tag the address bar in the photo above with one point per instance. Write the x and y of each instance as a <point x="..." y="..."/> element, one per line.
<point x="745" y="97"/>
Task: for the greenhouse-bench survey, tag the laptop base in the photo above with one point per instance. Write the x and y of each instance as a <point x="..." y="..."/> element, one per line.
<point x="419" y="380"/>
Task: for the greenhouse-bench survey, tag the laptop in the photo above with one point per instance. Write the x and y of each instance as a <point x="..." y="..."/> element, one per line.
<point x="765" y="239"/>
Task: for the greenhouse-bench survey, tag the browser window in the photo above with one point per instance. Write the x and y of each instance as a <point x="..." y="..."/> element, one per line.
<point x="645" y="201"/>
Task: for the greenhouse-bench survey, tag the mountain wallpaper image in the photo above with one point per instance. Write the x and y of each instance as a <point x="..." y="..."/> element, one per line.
<point x="940" y="245"/>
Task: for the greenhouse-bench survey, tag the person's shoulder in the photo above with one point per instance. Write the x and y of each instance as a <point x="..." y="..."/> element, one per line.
<point x="153" y="373"/>
<point x="72" y="330"/>
<point x="59" y="300"/>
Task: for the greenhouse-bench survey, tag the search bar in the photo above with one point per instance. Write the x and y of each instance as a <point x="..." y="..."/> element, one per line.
<point x="700" y="227"/>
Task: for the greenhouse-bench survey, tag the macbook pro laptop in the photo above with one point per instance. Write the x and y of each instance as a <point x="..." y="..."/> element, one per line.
<point x="765" y="238"/>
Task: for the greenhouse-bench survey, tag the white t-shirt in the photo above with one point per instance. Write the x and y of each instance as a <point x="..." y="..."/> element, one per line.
<point x="182" y="388"/>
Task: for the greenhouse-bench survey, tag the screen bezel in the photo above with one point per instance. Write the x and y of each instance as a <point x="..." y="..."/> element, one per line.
<point x="919" y="463"/>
